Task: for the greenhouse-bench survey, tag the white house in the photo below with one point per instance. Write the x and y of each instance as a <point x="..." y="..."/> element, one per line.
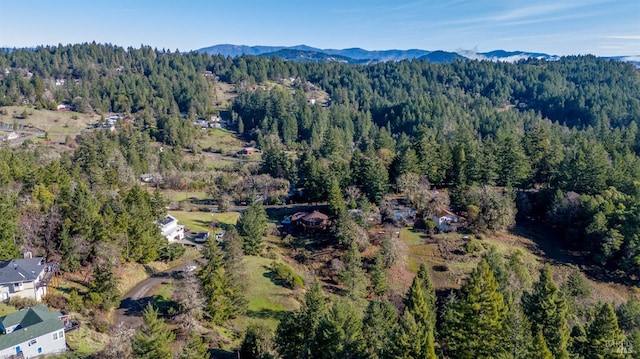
<point x="32" y="332"/>
<point x="171" y="229"/>
<point x="444" y="220"/>
<point x="26" y="278"/>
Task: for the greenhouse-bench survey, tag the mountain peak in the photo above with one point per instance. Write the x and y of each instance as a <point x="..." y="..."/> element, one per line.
<point x="356" y="55"/>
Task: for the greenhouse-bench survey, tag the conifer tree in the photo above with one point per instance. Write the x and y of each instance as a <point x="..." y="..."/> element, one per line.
<point x="604" y="337"/>
<point x="411" y="341"/>
<point x="257" y="342"/>
<point x="154" y="340"/>
<point x="578" y="340"/>
<point x="547" y="311"/>
<point x="352" y="275"/>
<point x="378" y="274"/>
<point x="428" y="291"/>
<point x="194" y="348"/>
<point x="251" y="225"/>
<point x="337" y="204"/>
<point x="296" y="332"/>
<point x="539" y="348"/>
<point x="415" y="335"/>
<point x="518" y="336"/>
<point x="474" y="327"/>
<point x="235" y="271"/>
<point x="215" y="285"/>
<point x="339" y="333"/>
<point x="379" y="324"/>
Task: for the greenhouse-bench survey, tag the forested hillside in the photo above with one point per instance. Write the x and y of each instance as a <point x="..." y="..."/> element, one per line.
<point x="552" y="146"/>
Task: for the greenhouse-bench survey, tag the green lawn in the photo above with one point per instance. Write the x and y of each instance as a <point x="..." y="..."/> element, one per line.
<point x="6" y="309"/>
<point x="227" y="217"/>
<point x="183" y="195"/>
<point x="267" y="300"/>
<point x="201" y="221"/>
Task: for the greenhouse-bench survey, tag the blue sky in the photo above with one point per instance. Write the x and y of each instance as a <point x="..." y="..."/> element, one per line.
<point x="600" y="27"/>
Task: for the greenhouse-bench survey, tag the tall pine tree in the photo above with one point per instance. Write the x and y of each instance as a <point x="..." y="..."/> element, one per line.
<point x="475" y="326"/>
<point x="604" y="337"/>
<point x="251" y="225"/>
<point x="547" y="311"/>
<point x="154" y="340"/>
<point x="215" y="285"/>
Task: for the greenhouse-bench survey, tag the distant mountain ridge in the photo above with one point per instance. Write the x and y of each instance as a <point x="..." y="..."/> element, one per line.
<point x="359" y="56"/>
<point x="304" y="53"/>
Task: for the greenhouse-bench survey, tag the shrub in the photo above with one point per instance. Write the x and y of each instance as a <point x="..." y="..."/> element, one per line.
<point x="286" y="275"/>
<point x="21" y="303"/>
<point x="57" y="301"/>
<point x="441" y="268"/>
<point x="171" y="252"/>
<point x="93" y="300"/>
<point x="75" y="301"/>
<point x="577" y="285"/>
<point x="473" y="246"/>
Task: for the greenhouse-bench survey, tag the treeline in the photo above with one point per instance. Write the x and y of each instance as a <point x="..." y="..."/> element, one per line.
<point x="500" y="312"/>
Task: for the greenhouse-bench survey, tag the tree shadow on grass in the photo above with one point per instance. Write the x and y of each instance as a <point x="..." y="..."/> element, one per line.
<point x="266" y="314"/>
<point x="134" y="308"/>
<point x="222" y="354"/>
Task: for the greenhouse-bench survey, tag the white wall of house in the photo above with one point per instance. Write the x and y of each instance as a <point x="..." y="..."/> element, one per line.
<point x="44" y="344"/>
<point x="25" y="290"/>
<point x="443" y="223"/>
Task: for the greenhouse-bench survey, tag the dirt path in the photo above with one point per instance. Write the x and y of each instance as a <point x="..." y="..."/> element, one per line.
<point x="133" y="303"/>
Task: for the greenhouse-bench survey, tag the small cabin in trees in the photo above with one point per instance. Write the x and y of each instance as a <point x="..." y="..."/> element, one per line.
<point x="306" y="220"/>
<point x="445" y="220"/>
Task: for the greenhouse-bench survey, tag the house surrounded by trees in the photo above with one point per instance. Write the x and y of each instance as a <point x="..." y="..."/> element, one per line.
<point x="25" y="277"/>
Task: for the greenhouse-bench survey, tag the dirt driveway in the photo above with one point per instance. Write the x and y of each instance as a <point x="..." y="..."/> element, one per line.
<point x="133" y="303"/>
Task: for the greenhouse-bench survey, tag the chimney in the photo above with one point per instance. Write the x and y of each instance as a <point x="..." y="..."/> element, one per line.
<point x="28" y="255"/>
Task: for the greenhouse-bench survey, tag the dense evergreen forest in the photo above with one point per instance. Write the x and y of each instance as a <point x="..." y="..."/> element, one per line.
<point x="551" y="144"/>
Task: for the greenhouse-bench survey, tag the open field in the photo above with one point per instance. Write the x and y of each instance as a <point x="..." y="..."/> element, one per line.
<point x="447" y="256"/>
<point x="183" y="195"/>
<point x="223" y="94"/>
<point x="201" y="221"/>
<point x="268" y="301"/>
<point x="57" y="123"/>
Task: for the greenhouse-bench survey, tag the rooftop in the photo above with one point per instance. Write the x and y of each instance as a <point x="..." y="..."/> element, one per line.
<point x="168" y="220"/>
<point x="32" y="323"/>
<point x="20" y="270"/>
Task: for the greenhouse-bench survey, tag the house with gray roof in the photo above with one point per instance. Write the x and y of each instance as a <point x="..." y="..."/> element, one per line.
<point x="32" y="332"/>
<point x="25" y="277"/>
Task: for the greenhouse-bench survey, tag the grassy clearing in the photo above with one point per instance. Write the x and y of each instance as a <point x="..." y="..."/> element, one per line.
<point x="267" y="300"/>
<point x="198" y="221"/>
<point x="86" y="341"/>
<point x="221" y="140"/>
<point x="226" y="217"/>
<point x="52" y="121"/>
<point x="194" y="221"/>
<point x="183" y="195"/>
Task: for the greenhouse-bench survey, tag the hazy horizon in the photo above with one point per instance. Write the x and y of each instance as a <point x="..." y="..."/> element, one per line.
<point x="599" y="27"/>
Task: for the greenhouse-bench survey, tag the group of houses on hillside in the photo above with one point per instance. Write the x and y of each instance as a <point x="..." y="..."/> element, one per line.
<point x="215" y="121"/>
<point x="33" y="331"/>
